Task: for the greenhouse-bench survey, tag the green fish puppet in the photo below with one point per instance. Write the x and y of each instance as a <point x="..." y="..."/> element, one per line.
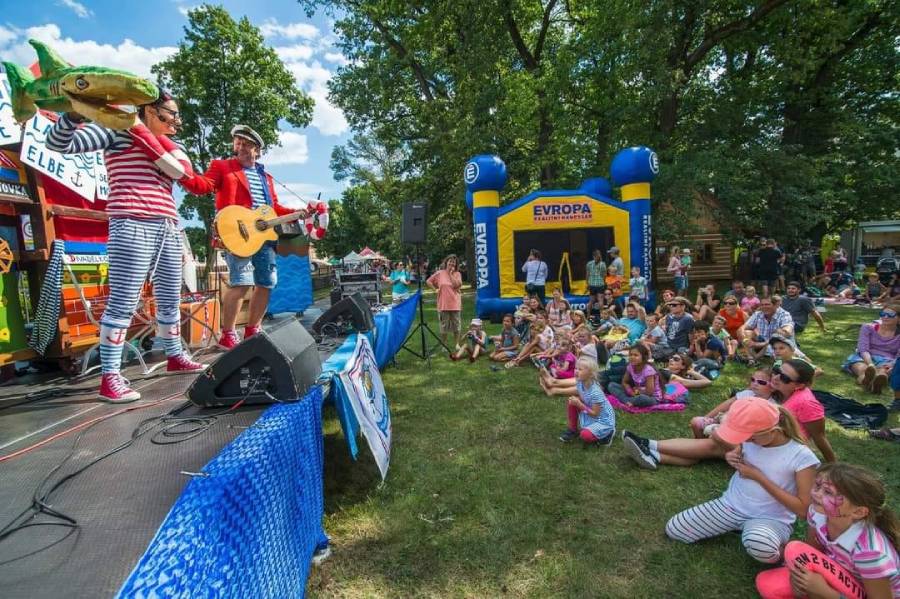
<point x="94" y="92"/>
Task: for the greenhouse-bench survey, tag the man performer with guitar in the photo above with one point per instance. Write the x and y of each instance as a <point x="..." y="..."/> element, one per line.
<point x="242" y="181"/>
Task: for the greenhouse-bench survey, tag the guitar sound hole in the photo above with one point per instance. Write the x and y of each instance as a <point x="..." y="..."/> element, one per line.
<point x="261" y="225"/>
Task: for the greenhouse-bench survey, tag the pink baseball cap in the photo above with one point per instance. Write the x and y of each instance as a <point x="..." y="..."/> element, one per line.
<point x="745" y="418"/>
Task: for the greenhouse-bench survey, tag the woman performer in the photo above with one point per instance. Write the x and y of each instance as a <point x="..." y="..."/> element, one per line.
<point x="142" y="163"/>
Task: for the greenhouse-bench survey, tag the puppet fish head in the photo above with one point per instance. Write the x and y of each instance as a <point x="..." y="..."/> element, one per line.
<point x="107" y="86"/>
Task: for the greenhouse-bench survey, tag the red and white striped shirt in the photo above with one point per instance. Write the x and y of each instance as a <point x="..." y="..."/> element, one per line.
<point x="141" y="167"/>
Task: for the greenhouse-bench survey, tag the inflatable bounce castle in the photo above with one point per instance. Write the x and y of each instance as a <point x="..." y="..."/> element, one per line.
<point x="566" y="225"/>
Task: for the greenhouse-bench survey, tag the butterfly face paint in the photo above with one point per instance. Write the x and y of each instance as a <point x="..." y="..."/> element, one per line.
<point x="827" y="498"/>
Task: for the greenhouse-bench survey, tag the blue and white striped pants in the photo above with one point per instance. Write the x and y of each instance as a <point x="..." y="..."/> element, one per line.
<point x="137" y="247"/>
<point x="763" y="538"/>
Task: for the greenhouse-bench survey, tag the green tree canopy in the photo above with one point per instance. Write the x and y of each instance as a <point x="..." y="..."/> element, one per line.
<point x="224" y="74"/>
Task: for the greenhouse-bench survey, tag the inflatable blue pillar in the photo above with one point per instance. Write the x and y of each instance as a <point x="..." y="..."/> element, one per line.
<point x="633" y="169"/>
<point x="485" y="177"/>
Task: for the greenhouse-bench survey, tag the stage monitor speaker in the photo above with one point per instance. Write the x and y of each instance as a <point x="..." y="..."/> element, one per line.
<point x="352" y="308"/>
<point x="412" y="229"/>
<point x="277" y="364"/>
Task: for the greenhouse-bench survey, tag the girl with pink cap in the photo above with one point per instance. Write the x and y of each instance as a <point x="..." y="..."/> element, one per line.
<point x="774" y="474"/>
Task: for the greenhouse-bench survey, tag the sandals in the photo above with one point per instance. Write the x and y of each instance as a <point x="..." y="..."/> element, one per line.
<point x="886" y="434"/>
<point x="879" y="383"/>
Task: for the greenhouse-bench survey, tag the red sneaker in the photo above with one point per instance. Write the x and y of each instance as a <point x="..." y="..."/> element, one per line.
<point x="250" y="331"/>
<point x="114" y="389"/>
<point x="181" y="363"/>
<point x="228" y="340"/>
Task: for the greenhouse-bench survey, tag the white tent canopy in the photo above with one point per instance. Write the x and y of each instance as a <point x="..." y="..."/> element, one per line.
<point x="353" y="257"/>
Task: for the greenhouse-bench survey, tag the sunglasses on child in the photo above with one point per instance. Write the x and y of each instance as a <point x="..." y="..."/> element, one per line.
<point x="731" y="303"/>
<point x="762" y="382"/>
<point x="887" y="314"/>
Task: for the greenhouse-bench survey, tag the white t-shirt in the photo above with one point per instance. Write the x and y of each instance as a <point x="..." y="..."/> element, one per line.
<point x="535" y="272"/>
<point x="780" y="465"/>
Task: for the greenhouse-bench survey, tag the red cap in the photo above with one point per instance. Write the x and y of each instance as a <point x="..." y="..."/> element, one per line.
<point x="745" y="418"/>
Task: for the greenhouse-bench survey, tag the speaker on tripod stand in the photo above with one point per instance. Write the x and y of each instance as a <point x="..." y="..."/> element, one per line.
<point x="413" y="230"/>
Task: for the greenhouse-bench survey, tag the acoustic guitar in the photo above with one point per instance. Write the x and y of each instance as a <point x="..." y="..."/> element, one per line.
<point x="244" y="231"/>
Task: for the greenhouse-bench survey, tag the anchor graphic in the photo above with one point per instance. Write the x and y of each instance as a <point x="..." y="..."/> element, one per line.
<point x="76" y="180"/>
<point x="120" y="336"/>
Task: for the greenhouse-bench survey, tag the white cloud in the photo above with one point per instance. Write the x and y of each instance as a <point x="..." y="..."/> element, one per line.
<point x="78" y="8"/>
<point x="127" y="55"/>
<point x="292" y="53"/>
<point x="184" y="9"/>
<point x="7" y="35"/>
<point x="272" y="28"/>
<point x="293" y="150"/>
<point x="313" y="78"/>
<point x="337" y="58"/>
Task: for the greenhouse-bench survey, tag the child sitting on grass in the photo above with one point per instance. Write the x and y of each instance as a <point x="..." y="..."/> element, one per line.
<point x="708" y="352"/>
<point x="541" y="341"/>
<point x="703" y="426"/>
<point x="705" y="445"/>
<point x="770" y="488"/>
<point x="562" y="362"/>
<point x="606" y="323"/>
<point x="750" y="302"/>
<point x="785" y="349"/>
<point x="654" y="336"/>
<point x="640" y="387"/>
<point x="718" y="330"/>
<point x="590" y="416"/>
<point x="579" y="321"/>
<point x="585" y="343"/>
<point x="851" y="542"/>
<point x="507" y="342"/>
<point x="475" y="342"/>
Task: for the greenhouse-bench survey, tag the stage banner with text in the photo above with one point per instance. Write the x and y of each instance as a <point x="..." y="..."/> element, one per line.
<point x="362" y="388"/>
<point x="85" y="174"/>
<point x="10" y="132"/>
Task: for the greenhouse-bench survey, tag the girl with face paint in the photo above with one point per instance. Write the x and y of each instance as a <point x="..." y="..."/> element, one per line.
<point x="851" y="542"/>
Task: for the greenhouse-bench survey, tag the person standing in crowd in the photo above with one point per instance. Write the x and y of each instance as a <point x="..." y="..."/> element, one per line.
<point x="840" y="259"/>
<point x="536" y="271"/>
<point x="617" y="262"/>
<point x="142" y="164"/>
<point x="800" y="307"/>
<point x="769" y="264"/>
<point x="638" y="286"/>
<point x="674" y="268"/>
<point x="399" y="279"/>
<point x="447" y="282"/>
<point x="595" y="271"/>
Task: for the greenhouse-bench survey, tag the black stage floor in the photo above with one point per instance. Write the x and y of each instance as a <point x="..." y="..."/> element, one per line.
<point x="118" y="503"/>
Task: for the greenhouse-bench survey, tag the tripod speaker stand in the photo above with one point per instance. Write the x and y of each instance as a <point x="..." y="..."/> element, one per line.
<point x="413" y="231"/>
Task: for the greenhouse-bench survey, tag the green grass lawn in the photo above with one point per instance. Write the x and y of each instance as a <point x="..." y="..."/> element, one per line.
<point x="482" y="500"/>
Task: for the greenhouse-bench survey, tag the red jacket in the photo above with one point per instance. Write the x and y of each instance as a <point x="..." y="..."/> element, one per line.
<point x="227" y="179"/>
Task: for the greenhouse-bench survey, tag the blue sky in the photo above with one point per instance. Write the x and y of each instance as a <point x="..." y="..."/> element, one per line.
<point x="105" y="32"/>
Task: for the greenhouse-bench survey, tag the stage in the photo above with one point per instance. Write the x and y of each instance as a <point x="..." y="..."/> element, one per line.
<point x="120" y="502"/>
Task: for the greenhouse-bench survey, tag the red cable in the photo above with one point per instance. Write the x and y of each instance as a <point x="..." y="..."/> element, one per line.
<point x="63" y="433"/>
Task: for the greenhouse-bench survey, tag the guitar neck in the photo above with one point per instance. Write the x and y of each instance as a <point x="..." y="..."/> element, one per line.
<point x="286" y="218"/>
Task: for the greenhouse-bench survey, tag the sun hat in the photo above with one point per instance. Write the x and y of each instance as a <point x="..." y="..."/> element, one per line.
<point x="613" y="250"/>
<point x="476" y="322"/>
<point x="745" y="418"/>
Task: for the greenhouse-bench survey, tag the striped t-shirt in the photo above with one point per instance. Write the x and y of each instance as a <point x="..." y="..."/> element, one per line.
<point x="137" y="186"/>
<point x="862" y="549"/>
<point x="256" y="186"/>
<point x="591" y="396"/>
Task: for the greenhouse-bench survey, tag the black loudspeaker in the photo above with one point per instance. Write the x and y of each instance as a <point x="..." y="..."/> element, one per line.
<point x="352" y="308"/>
<point x="412" y="229"/>
<point x="278" y="364"/>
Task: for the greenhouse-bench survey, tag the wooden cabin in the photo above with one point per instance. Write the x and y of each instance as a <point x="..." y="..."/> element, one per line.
<point x="712" y="251"/>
